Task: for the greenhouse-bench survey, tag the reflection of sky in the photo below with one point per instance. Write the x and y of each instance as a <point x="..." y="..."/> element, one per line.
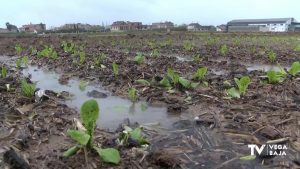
<point x="113" y="110"/>
<point x="212" y="12"/>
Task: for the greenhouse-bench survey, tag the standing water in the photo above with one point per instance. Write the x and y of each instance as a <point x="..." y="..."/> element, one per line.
<point x="113" y="110"/>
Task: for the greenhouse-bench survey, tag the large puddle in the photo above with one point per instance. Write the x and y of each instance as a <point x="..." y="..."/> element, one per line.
<point x="113" y="110"/>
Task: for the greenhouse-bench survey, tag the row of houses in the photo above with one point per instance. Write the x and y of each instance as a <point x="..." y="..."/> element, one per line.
<point x="240" y="25"/>
<point x="128" y="26"/>
<point x="31" y="28"/>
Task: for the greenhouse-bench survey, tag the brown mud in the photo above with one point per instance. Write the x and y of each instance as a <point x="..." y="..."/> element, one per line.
<point x="216" y="139"/>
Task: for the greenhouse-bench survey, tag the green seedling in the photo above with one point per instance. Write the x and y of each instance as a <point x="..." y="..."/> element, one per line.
<point x="154" y="53"/>
<point x="224" y="50"/>
<point x="33" y="51"/>
<point x="242" y="84"/>
<point x="81" y="57"/>
<point x="188" y="46"/>
<point x="115" y="68"/>
<point x="98" y="60"/>
<point x="295" y="68"/>
<point x="275" y="77"/>
<point x="27" y="89"/>
<point x="19" y="63"/>
<point x="82" y="85"/>
<point x="68" y="47"/>
<point x="132" y="94"/>
<point x="165" y="82"/>
<point x="187" y="84"/>
<point x="200" y="73"/>
<point x="173" y="76"/>
<point x="272" y="56"/>
<point x="143" y="82"/>
<point x="48" y="52"/>
<point x="18" y="49"/>
<point x="197" y="58"/>
<point x="233" y="93"/>
<point x="139" y="59"/>
<point x="89" y="114"/>
<point x="3" y="72"/>
<point x="134" y="134"/>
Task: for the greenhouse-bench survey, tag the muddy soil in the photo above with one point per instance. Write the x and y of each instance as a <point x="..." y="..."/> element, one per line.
<point x="218" y="134"/>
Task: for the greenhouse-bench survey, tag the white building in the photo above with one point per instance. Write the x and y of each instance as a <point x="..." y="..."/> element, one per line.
<point x="260" y="25"/>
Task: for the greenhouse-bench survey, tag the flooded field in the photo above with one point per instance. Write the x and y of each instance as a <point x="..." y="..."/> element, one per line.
<point x="199" y="100"/>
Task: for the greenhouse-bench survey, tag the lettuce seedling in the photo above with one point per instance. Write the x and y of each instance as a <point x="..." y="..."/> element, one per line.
<point x="224" y="50"/>
<point x="275" y="77"/>
<point x="272" y="56"/>
<point x="3" y="72"/>
<point x="27" y="89"/>
<point x="139" y="58"/>
<point x="200" y="73"/>
<point x="233" y="93"/>
<point x="295" y="68"/>
<point x="82" y="85"/>
<point x="68" y="47"/>
<point x="134" y="134"/>
<point x="243" y="84"/>
<point x="115" y="69"/>
<point x="143" y="82"/>
<point x="132" y="94"/>
<point x="89" y="114"/>
<point x="188" y="46"/>
<point x="173" y="76"/>
<point x="18" y="49"/>
<point x="165" y="82"/>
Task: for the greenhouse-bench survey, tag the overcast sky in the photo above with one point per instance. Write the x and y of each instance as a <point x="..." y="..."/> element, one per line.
<point x="206" y="12"/>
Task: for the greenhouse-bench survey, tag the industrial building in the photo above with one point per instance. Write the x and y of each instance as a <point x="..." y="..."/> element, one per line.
<point x="261" y="25"/>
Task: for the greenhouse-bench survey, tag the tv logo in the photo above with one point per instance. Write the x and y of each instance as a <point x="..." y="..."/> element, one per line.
<point x="255" y="147"/>
<point x="270" y="149"/>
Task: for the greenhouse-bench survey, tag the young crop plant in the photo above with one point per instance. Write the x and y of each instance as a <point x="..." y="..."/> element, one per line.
<point x="68" y="47"/>
<point x="242" y="85"/>
<point x="82" y="85"/>
<point x="27" y="89"/>
<point x="48" y="52"/>
<point x="98" y="60"/>
<point x="173" y="79"/>
<point x="200" y="73"/>
<point x="89" y="114"/>
<point x="295" y="68"/>
<point x="154" y="53"/>
<point x="224" y="50"/>
<point x="115" y="68"/>
<point x="33" y="51"/>
<point x="188" y="46"/>
<point x="139" y="58"/>
<point x="129" y="134"/>
<point x="197" y="58"/>
<point x="132" y="94"/>
<point x="3" y="72"/>
<point x="18" y="49"/>
<point x="22" y="62"/>
<point x="81" y="57"/>
<point x="272" y="56"/>
<point x="173" y="76"/>
<point x="275" y="77"/>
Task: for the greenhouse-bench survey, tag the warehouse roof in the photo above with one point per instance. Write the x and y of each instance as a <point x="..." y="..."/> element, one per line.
<point x="260" y="21"/>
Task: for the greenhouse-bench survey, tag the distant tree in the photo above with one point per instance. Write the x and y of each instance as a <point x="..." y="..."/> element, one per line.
<point x="11" y="27"/>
